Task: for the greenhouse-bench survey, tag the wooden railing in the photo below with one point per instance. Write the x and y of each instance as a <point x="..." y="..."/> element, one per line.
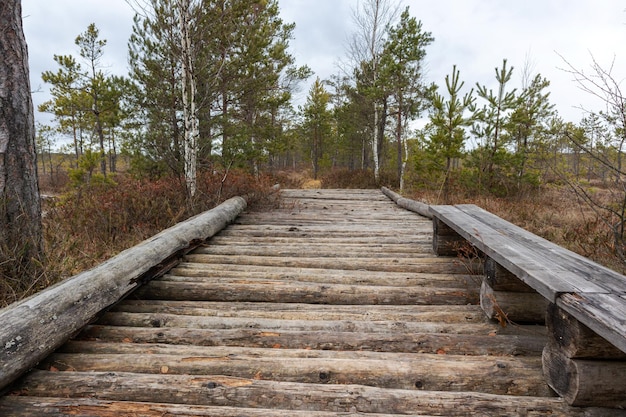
<point x="529" y="279"/>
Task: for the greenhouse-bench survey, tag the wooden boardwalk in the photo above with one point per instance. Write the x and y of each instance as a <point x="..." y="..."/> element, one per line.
<point x="331" y="305"/>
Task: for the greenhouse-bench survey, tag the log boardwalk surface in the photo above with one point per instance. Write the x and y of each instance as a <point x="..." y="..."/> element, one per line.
<point x="332" y="304"/>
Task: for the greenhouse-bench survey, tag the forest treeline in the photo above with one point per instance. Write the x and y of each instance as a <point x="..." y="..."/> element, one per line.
<point x="211" y="86"/>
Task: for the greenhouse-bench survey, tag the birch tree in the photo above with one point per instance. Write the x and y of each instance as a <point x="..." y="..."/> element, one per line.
<point x="190" y="116"/>
<point x="372" y="17"/>
<point x="21" y="243"/>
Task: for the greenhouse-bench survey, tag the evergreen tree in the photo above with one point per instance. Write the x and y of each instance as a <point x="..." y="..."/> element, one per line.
<point x="491" y="124"/>
<point x="68" y="102"/>
<point x="317" y="122"/>
<point x="449" y="120"/>
<point x="156" y="71"/>
<point x="86" y="99"/>
<point x="402" y="66"/>
<point x="21" y="234"/>
<point x="528" y="121"/>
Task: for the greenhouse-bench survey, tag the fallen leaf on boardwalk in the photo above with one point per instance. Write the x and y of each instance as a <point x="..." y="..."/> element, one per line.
<point x="258" y="375"/>
<point x="164" y="369"/>
<point x="276" y="346"/>
<point x="127" y="340"/>
<point x="492" y="333"/>
<point x="441" y="352"/>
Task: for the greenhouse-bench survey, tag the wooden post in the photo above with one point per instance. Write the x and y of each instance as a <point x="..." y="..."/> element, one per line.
<point x="446" y="242"/>
<point x="516" y="307"/>
<point x="585" y="383"/>
<point x="577" y="340"/>
<point x="500" y="279"/>
<point x="36" y="326"/>
<point x="580" y="366"/>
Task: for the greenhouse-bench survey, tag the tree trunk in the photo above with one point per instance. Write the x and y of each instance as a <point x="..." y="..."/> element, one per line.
<point x="20" y="207"/>
<point x="189" y="100"/>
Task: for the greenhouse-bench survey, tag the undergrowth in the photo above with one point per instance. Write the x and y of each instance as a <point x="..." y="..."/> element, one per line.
<point x="86" y="225"/>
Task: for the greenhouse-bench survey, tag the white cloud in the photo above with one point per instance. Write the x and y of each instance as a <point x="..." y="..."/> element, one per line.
<point x="473" y="34"/>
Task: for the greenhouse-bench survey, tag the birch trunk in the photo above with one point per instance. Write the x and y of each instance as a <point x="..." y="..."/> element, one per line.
<point x="189" y="101"/>
<point x="375" y="145"/>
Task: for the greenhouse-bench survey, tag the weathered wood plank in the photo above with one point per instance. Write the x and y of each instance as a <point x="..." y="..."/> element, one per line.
<point x="582" y="267"/>
<point x="54" y="407"/>
<point x="207" y="322"/>
<point x="298" y="311"/>
<point x="240" y="392"/>
<point x="202" y="272"/>
<point x="524" y="343"/>
<point x="297" y="292"/>
<point x="329" y="251"/>
<point x="549" y="279"/>
<point x="423" y="264"/>
<point x="418" y="239"/>
<point x="504" y="376"/>
<point x="34" y="327"/>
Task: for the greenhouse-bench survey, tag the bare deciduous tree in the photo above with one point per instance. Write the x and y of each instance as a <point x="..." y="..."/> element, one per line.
<point x="602" y="84"/>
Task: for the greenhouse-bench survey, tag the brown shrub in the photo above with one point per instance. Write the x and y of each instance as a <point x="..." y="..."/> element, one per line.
<point x="85" y="226"/>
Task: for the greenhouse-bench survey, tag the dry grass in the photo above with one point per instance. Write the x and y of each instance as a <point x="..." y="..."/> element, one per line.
<point x="85" y="226"/>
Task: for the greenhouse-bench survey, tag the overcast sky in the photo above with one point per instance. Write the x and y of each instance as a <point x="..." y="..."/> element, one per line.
<point x="473" y="34"/>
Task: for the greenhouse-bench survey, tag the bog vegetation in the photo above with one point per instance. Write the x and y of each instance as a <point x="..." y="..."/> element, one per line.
<point x="207" y="111"/>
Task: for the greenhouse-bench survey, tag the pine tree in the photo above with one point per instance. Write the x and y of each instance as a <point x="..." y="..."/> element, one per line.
<point x="449" y="120"/>
<point x="492" y="123"/>
<point x="21" y="235"/>
<point x="402" y="66"/>
<point x="317" y="119"/>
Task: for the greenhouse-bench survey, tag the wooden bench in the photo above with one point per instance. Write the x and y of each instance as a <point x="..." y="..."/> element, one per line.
<point x="528" y="278"/>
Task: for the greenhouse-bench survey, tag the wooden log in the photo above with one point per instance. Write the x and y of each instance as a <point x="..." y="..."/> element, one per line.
<point x="576" y="340"/>
<point x="583" y="382"/>
<point x="504" y="376"/>
<point x="446" y="242"/>
<point x="54" y="407"/>
<point x="419" y="264"/>
<point x="302" y="292"/>
<point x="37" y="325"/>
<point x="419" y="238"/>
<point x="250" y="393"/>
<point x="202" y="272"/>
<point x="603" y="313"/>
<point x="330" y="251"/>
<point x="514" y="307"/>
<point x="271" y="324"/>
<point x="453" y="344"/>
<point x="500" y="279"/>
<point x="415" y="206"/>
<point x="297" y="311"/>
